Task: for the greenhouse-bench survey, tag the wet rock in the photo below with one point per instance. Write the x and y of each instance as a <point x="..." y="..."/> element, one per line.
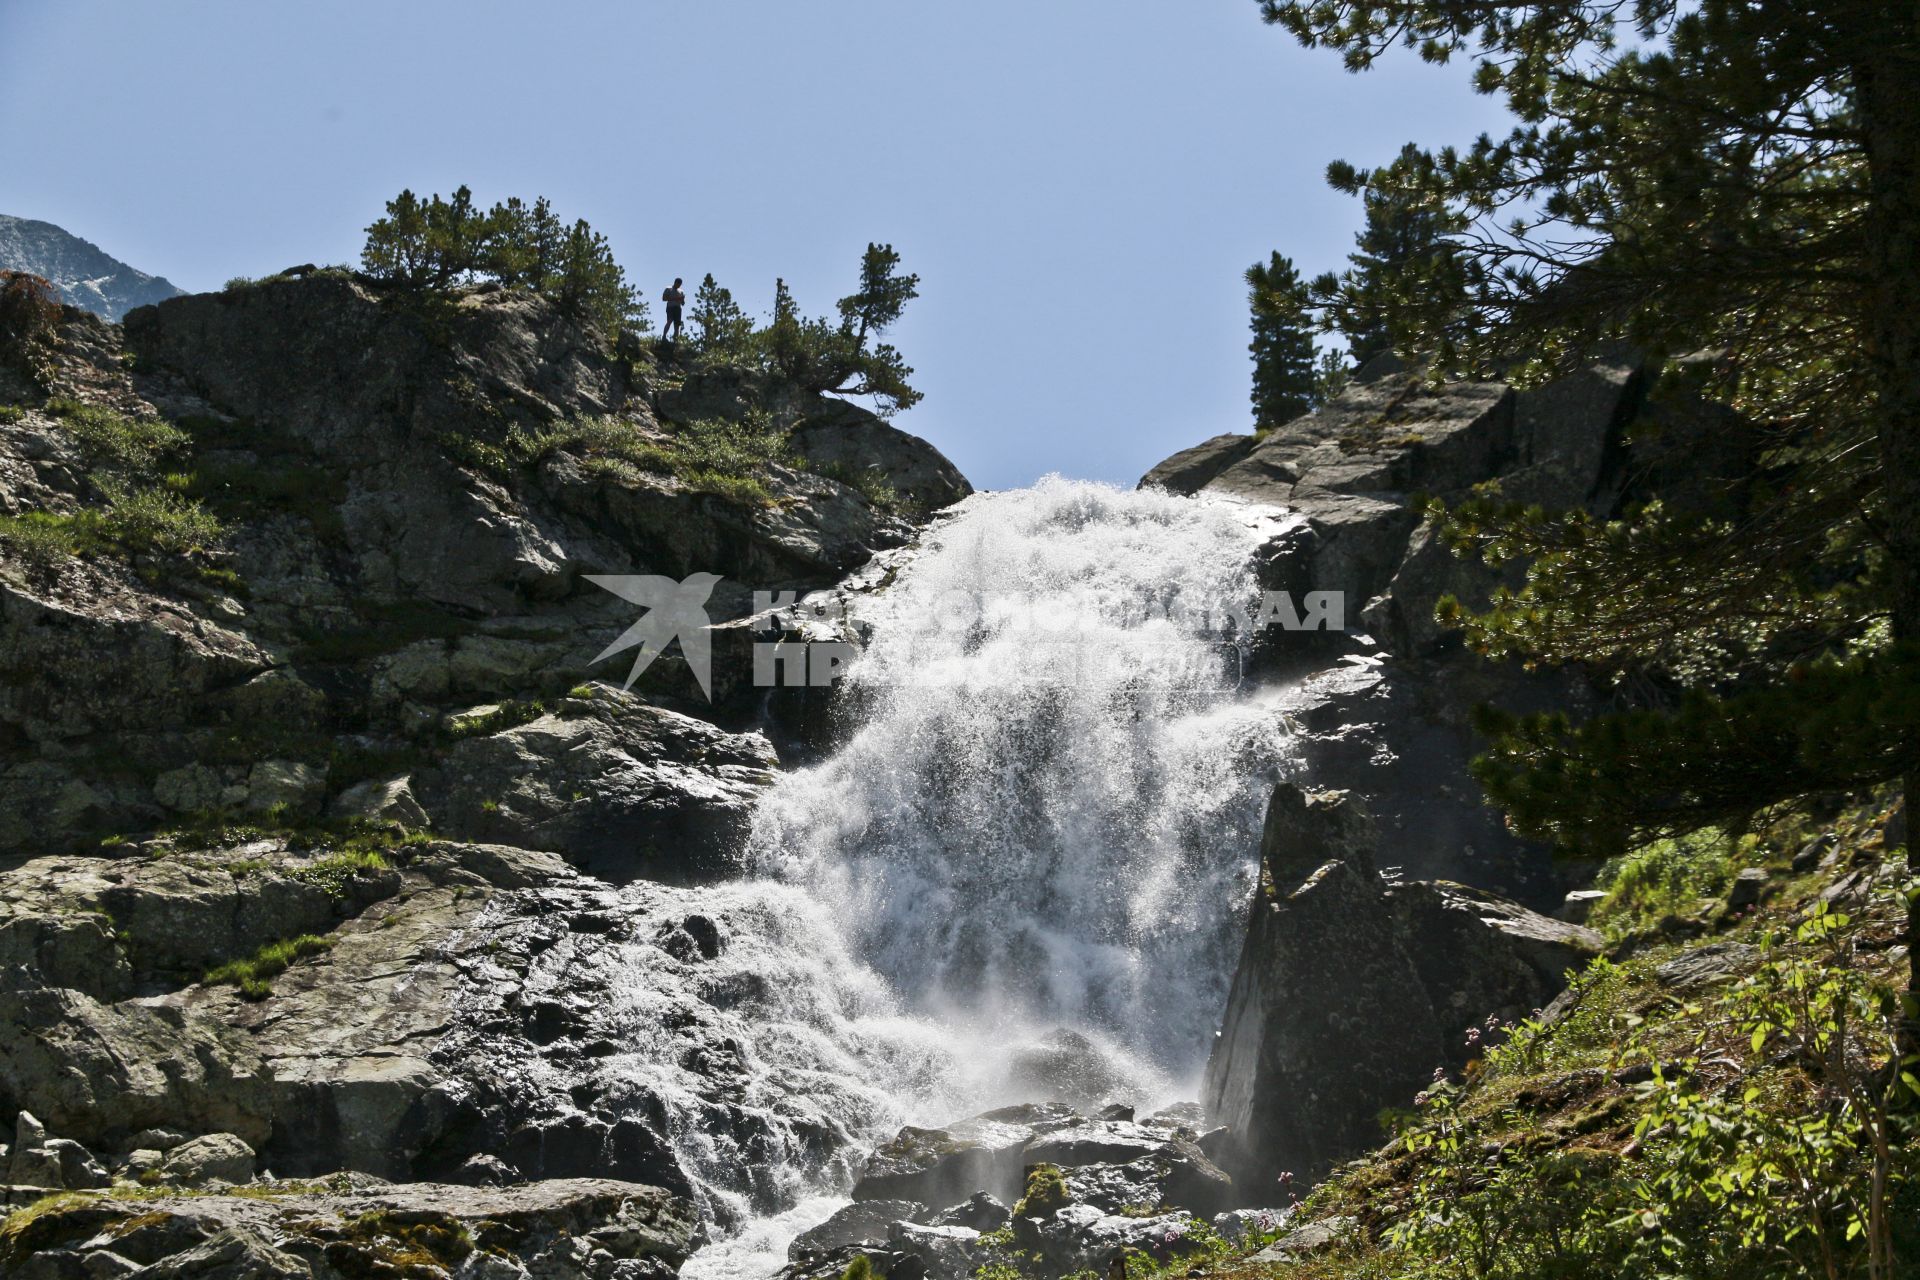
<point x="1176" y="1176"/>
<point x="982" y="1212"/>
<point x="1351" y="992"/>
<point x="947" y="1252"/>
<point x="864" y="1224"/>
<point x="934" y="1165"/>
<point x="1081" y="1237"/>
<point x="942" y="1166"/>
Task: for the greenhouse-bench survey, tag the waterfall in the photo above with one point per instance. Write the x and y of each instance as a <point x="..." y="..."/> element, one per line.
<point x="1047" y="819"/>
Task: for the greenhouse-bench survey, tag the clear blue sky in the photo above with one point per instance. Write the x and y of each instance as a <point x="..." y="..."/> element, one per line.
<point x="1079" y="183"/>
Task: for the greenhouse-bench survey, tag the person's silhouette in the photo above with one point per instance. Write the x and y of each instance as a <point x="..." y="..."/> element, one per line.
<point x="675" y="299"/>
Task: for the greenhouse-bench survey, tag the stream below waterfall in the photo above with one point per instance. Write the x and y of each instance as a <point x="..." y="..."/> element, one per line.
<point x="1047" y="821"/>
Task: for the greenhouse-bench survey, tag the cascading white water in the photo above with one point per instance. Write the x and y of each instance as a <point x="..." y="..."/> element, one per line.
<point x="1047" y="820"/>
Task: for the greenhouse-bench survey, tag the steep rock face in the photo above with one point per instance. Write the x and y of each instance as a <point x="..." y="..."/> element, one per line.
<point x="400" y="545"/>
<point x="1394" y="723"/>
<point x="1352" y="991"/>
<point x="86" y="275"/>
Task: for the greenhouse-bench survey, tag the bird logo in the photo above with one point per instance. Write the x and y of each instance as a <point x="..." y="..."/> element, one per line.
<point x="674" y="611"/>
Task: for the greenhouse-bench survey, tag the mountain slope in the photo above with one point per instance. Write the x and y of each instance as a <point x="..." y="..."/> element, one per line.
<point x="86" y="275"/>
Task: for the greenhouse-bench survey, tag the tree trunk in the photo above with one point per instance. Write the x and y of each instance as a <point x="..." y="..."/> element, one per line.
<point x="1887" y="76"/>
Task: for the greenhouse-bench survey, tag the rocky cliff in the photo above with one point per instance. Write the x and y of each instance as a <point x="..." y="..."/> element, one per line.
<point x="312" y="795"/>
<point x="1368" y="958"/>
<point x="86" y="276"/>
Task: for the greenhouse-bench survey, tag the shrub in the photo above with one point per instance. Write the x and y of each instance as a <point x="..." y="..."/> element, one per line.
<point x="112" y="439"/>
<point x="1046" y="1191"/>
<point x="40" y="537"/>
<point x="154" y="518"/>
<point x="29" y="323"/>
<point x="868" y="482"/>
<point x="723" y="332"/>
<point x="435" y="244"/>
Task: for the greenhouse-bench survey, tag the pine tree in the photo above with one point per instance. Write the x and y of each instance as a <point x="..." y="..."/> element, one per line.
<point x="1402" y="252"/>
<point x="883" y="294"/>
<point x="722" y="330"/>
<point x="1740" y="179"/>
<point x="1284" y="380"/>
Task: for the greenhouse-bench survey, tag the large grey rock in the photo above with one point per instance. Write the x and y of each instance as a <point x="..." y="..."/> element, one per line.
<point x="1190" y="470"/>
<point x="942" y="1166"/>
<point x="948" y="1252"/>
<point x="1350" y="993"/>
<point x="845" y="435"/>
<point x="220" y="1157"/>
<point x="622" y="788"/>
<point x="864" y="1224"/>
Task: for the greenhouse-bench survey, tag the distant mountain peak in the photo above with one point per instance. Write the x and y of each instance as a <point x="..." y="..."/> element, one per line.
<point x="86" y="275"/>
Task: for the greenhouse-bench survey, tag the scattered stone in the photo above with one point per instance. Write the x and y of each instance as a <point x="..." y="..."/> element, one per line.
<point x="291" y="786"/>
<point x="1813" y="854"/>
<point x="1315" y="1237"/>
<point x="1748" y="887"/>
<point x="157" y="1139"/>
<point x="391" y="800"/>
<point x="77" y="1170"/>
<point x="1706" y="966"/>
<point x="1579" y="905"/>
<point x="1236" y="1225"/>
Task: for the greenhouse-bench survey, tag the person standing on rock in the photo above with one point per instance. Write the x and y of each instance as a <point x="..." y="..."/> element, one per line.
<point x="675" y="298"/>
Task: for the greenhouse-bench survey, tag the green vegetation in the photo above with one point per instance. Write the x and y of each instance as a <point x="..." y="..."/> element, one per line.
<point x="1749" y="1128"/>
<point x="1669" y="878"/>
<point x="145" y="509"/>
<point x="10" y="414"/>
<point x="436" y="244"/>
<point x="153" y="519"/>
<point x="1284" y="381"/>
<point x="113" y="440"/>
<point x="1046" y="1190"/>
<point x="1719" y="178"/>
<point x="334" y="871"/>
<point x="254" y="975"/>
